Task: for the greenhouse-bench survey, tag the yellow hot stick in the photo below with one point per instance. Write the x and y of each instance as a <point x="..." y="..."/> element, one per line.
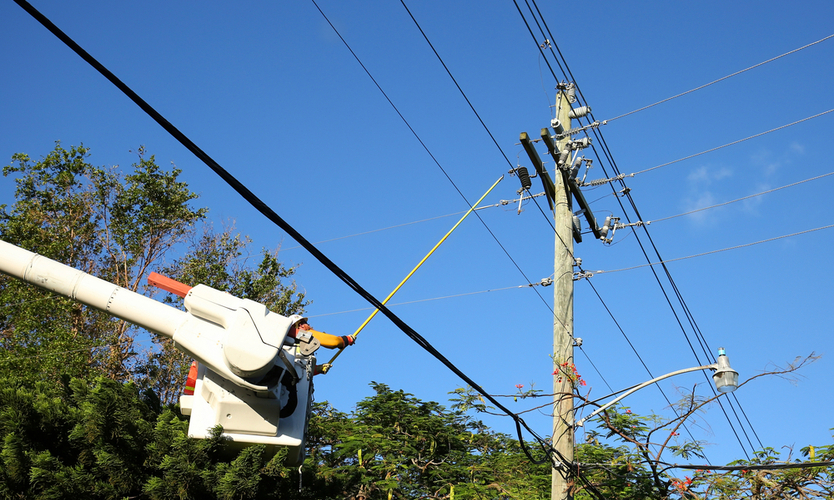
<point x="326" y="366"/>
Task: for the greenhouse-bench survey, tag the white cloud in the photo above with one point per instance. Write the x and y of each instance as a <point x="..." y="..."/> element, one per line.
<point x="703" y="199"/>
<point x="705" y="175"/>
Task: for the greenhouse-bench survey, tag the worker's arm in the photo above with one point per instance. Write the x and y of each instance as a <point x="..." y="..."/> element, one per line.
<point x="332" y="341"/>
<point x="325" y="339"/>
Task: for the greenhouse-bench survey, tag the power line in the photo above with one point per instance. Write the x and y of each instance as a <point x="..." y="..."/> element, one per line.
<point x="740" y="199"/>
<point x="580" y="93"/>
<point x="448" y="72"/>
<point x="501" y="203"/>
<point x="265" y="210"/>
<point x="716" y="251"/>
<point x="731" y="143"/>
<point x="515" y="287"/>
<point x="719" y="80"/>
<point x="423" y="144"/>
<point x="549" y="38"/>
<point x="692" y="323"/>
<point x="568" y="74"/>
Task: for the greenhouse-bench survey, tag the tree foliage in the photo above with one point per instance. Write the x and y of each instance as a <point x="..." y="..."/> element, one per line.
<point x="624" y="454"/>
<point x="399" y="446"/>
<point x="85" y="411"/>
<point x="118" y="226"/>
<point x="86" y="401"/>
<point x="105" y="439"/>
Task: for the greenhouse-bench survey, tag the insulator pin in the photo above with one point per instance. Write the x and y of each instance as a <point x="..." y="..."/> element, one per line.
<point x="579" y="112"/>
<point x="557" y="126"/>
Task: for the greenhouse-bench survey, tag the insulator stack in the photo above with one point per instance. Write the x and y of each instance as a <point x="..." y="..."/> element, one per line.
<point x="524" y="177"/>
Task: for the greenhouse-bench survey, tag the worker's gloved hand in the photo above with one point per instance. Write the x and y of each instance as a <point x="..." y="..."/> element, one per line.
<point x="348" y="340"/>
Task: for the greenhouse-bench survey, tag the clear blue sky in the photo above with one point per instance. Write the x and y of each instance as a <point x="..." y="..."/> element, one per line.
<point x="271" y="93"/>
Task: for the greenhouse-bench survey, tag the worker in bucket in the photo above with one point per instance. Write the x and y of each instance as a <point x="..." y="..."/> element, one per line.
<point x="327" y="340"/>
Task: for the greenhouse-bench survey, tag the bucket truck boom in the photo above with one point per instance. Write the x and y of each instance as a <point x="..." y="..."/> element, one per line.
<point x="253" y="379"/>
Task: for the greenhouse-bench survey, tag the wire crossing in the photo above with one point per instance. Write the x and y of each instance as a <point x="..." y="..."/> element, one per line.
<point x="551" y="454"/>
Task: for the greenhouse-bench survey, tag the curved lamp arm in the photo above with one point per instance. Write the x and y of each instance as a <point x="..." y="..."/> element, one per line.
<point x="726" y="380"/>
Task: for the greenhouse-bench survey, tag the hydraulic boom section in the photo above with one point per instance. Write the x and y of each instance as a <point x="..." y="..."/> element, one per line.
<point x="252" y="378"/>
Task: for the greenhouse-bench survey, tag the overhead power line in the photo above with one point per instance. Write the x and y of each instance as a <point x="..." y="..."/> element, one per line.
<point x="501" y="203"/>
<point x="514" y="287"/>
<point x="707" y="351"/>
<point x="716" y="251"/>
<point x="719" y="80"/>
<point x="272" y="216"/>
<point x="732" y="143"/>
<point x="417" y="136"/>
<point x="567" y="74"/>
<point x="740" y="199"/>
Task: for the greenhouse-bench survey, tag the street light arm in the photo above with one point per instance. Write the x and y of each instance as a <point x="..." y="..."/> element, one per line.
<point x="636" y="388"/>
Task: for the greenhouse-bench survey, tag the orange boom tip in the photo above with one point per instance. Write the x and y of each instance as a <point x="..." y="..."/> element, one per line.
<point x="168" y="284"/>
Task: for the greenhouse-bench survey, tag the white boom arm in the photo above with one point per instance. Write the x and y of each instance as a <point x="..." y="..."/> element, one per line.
<point x="253" y="374"/>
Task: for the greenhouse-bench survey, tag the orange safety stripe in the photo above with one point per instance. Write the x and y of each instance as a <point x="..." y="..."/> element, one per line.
<point x="192" y="379"/>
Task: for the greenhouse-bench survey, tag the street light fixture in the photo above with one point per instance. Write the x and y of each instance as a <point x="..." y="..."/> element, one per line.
<point x="725" y="378"/>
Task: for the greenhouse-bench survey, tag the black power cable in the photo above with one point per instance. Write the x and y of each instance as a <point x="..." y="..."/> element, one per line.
<point x="264" y="209"/>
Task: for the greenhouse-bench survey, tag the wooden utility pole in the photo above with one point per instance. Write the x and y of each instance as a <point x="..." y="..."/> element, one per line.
<point x="561" y="191"/>
<point x="563" y="438"/>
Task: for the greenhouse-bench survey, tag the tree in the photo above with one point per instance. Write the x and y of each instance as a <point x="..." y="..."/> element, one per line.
<point x="100" y="438"/>
<point x="397" y="446"/>
<point x="96" y="220"/>
<point x="117" y="226"/>
<point x="623" y="456"/>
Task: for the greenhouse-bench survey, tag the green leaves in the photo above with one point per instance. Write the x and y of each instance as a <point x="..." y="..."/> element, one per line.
<point x="95" y="219"/>
<point x="119" y="225"/>
<point x="395" y="444"/>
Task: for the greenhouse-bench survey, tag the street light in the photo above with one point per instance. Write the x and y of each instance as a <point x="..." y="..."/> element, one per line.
<point x="725" y="378"/>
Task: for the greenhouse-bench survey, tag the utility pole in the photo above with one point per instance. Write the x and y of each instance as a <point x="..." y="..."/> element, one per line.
<point x="563" y="438"/>
<point x="561" y="191"/>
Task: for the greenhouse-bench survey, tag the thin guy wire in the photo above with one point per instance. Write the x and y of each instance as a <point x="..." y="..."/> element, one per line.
<point x="716" y="251"/>
<point x="448" y="72"/>
<point x="732" y="143"/>
<point x="502" y="203"/>
<point x="425" y="147"/>
<point x="720" y="79"/>
<point x="740" y="199"/>
<point x="514" y="287"/>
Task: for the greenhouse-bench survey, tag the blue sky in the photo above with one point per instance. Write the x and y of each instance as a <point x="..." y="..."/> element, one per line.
<point x="271" y="93"/>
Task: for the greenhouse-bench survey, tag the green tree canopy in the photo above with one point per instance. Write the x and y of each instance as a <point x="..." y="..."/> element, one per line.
<point x="117" y="225"/>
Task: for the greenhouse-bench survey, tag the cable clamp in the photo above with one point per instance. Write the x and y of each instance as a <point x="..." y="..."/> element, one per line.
<point x="582" y="274"/>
